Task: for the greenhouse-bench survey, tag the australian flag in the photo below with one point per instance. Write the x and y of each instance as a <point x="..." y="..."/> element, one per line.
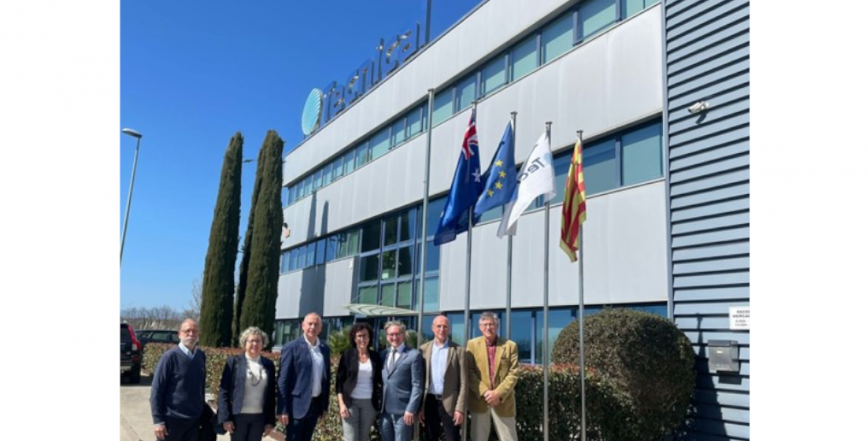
<point x="467" y="185"/>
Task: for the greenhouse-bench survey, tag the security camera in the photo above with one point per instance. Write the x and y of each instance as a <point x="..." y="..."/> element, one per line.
<point x="700" y="106"/>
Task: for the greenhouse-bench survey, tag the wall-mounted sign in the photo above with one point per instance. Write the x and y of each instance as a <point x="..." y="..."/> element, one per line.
<point x="335" y="97"/>
<point x="739" y="318"/>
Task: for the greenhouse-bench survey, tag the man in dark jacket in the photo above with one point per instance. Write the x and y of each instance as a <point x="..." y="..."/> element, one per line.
<point x="178" y="388"/>
<point x="303" y="382"/>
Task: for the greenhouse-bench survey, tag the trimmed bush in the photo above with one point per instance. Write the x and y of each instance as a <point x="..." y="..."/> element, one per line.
<point x="641" y="366"/>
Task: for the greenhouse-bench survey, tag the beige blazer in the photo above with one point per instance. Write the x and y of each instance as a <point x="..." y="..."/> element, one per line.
<point x="455" y="378"/>
<point x="505" y="375"/>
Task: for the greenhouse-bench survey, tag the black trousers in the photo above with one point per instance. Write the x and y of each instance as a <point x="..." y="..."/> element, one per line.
<point x="438" y="420"/>
<point x="302" y="430"/>
<point x="182" y="429"/>
<point x="248" y="427"/>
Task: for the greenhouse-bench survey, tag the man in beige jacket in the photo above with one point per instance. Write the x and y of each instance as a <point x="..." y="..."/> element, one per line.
<point x="493" y="370"/>
<point x="444" y="405"/>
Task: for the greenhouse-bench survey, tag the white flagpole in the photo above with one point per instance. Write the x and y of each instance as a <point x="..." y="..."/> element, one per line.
<point x="509" y="255"/>
<point x="467" y="266"/>
<point x="545" y="357"/>
<point x="423" y="248"/>
<point x="582" y="305"/>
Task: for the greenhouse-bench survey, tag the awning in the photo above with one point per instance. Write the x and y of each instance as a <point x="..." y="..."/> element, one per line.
<point x="379" y="310"/>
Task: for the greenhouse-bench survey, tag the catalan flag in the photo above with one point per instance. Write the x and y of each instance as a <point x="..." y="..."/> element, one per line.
<point x="574" y="210"/>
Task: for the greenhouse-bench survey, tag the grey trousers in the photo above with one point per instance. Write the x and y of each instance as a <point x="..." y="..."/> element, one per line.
<point x="358" y="426"/>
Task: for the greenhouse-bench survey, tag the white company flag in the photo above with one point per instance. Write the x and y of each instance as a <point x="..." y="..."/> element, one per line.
<point x="537" y="177"/>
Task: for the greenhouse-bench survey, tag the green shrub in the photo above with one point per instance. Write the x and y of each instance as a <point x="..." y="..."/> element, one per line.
<point x="641" y="369"/>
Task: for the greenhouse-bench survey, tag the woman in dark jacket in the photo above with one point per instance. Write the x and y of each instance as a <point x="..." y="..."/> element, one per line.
<point x="359" y="384"/>
<point x="247" y="390"/>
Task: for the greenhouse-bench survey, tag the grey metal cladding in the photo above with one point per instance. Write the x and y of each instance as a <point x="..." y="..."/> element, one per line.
<point x="707" y="55"/>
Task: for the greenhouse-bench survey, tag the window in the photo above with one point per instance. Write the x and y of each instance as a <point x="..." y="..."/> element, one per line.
<point x="390" y="235"/>
<point x="388" y="295"/>
<point x="337" y="169"/>
<point x="405" y="262"/>
<point x="320" y="251"/>
<point x="290" y="195"/>
<point x="442" y="106"/>
<point x="414" y="121"/>
<point x="380" y="143"/>
<point x="327" y="174"/>
<point x="456" y="321"/>
<point x="600" y="167"/>
<point x="557" y="38"/>
<point x="432" y="257"/>
<point x="363" y="155"/>
<point x="432" y="294"/>
<point x="435" y="208"/>
<point x="369" y="266"/>
<point x="595" y="15"/>
<point x="311" y="254"/>
<point x="558" y="320"/>
<point x="349" y="162"/>
<point x="465" y="92"/>
<point x="495" y="213"/>
<point x="317" y="179"/>
<point x="368" y="295"/>
<point x="333" y="244"/>
<point x="641" y="153"/>
<point x="307" y="185"/>
<point x="523" y="58"/>
<point x="494" y="75"/>
<point x="293" y="259"/>
<point x="398" y="132"/>
<point x="562" y="170"/>
<point x="407" y="223"/>
<point x="521" y="333"/>
<point x="371" y="236"/>
<point x="284" y="261"/>
<point x="389" y="264"/>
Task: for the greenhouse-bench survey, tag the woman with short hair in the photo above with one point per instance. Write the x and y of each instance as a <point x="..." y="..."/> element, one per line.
<point x="359" y="384"/>
<point x="246" y="406"/>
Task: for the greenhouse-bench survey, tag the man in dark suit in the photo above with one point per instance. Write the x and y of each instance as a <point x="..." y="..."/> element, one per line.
<point x="303" y="383"/>
<point x="403" y="375"/>
<point x="446" y="384"/>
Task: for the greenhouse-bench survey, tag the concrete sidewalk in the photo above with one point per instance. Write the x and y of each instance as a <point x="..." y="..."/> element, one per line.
<point x="136" y="422"/>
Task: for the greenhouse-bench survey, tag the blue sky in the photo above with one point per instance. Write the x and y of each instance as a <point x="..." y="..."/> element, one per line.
<point x="194" y="73"/>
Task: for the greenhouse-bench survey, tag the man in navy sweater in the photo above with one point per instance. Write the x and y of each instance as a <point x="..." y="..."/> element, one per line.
<point x="178" y="388"/>
<point x="303" y="384"/>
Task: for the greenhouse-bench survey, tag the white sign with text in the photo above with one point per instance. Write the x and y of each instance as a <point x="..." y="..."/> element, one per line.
<point x="739" y="318"/>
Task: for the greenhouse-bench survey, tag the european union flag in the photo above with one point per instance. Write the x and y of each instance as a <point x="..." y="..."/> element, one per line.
<point x="500" y="179"/>
<point x="466" y="186"/>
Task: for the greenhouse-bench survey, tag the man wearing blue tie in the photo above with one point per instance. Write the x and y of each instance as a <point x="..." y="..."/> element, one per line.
<point x="303" y="382"/>
<point x="403" y="384"/>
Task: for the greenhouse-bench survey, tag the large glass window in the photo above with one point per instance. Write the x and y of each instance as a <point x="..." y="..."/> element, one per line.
<point x="641" y="155"/>
<point x="600" y="167"/>
<point x="337" y="169"/>
<point x="333" y="244"/>
<point x="390" y="235"/>
<point x="432" y="294"/>
<point x="456" y="323"/>
<point x="595" y="15"/>
<point x="369" y="266"/>
<point x="521" y="333"/>
<point x="465" y="92"/>
<point x="293" y="259"/>
<point x="405" y="261"/>
<point x="435" y="208"/>
<point x="327" y="174"/>
<point x="307" y="185"/>
<point x="284" y="261"/>
<point x="558" y="319"/>
<point x="557" y="38"/>
<point x="368" y="295"/>
<point x="388" y="295"/>
<point x="351" y="246"/>
<point x="371" y="236"/>
<point x="442" y="106"/>
<point x="562" y="170"/>
<point x="311" y="255"/>
<point x="407" y="223"/>
<point x="320" y="252"/>
<point x="405" y="295"/>
<point x="523" y="58"/>
<point x="390" y="259"/>
<point x="317" y="179"/>
<point x="494" y="75"/>
<point x="380" y="143"/>
<point x="432" y="257"/>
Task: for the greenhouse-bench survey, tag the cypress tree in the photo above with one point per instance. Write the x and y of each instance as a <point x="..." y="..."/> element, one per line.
<point x="260" y="298"/>
<point x="218" y="279"/>
<point x="245" y="256"/>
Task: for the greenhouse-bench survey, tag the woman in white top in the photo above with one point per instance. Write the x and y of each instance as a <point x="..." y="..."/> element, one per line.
<point x="246" y="406"/>
<point x="359" y="384"/>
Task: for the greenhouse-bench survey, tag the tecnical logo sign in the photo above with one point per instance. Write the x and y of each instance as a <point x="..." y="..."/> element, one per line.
<point x="324" y="104"/>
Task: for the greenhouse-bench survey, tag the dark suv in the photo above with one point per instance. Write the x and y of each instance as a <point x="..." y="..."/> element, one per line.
<point x="131" y="354"/>
<point x="158" y="336"/>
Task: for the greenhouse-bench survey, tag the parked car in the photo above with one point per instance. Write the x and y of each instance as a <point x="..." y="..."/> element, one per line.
<point x="158" y="335"/>
<point x="131" y="354"/>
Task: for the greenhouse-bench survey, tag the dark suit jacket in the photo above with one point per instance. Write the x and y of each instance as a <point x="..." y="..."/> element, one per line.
<point x="348" y="375"/>
<point x="231" y="396"/>
<point x="454" y="379"/>
<point x="402" y="387"/>
<point x="295" y="383"/>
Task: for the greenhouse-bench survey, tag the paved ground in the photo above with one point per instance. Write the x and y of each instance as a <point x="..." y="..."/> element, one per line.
<point x="136" y="422"/>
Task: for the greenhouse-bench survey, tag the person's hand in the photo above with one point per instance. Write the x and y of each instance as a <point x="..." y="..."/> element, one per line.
<point x="492" y="398"/>
<point x="268" y="429"/>
<point x="422" y="417"/>
<point x="284" y="419"/>
<point x="161" y="431"/>
<point x="228" y="426"/>
<point x="408" y="418"/>
<point x="457" y="418"/>
<point x="345" y="413"/>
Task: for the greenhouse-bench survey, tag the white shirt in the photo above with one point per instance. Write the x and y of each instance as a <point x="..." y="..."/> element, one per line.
<point x="365" y="383"/>
<point x="439" y="355"/>
<point x="316" y="356"/>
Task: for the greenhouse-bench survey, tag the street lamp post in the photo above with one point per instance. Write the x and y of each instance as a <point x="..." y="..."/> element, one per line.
<point x="138" y="137"/>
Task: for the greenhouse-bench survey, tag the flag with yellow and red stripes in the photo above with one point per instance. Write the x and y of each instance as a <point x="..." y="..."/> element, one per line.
<point x="574" y="211"/>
